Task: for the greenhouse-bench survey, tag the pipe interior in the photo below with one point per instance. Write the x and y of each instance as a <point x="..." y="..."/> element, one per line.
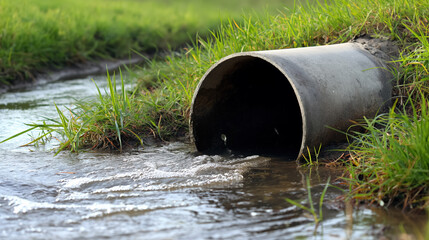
<point x="255" y="110"/>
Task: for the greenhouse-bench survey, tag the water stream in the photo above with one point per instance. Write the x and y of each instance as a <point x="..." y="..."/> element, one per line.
<point x="168" y="191"/>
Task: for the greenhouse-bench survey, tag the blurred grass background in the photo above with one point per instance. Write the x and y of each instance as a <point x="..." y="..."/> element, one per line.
<point x="53" y="33"/>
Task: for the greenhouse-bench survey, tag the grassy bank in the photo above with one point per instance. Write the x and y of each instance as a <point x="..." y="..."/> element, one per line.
<point x="388" y="163"/>
<point x="52" y="34"/>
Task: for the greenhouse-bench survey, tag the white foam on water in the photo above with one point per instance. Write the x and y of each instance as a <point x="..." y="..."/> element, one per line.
<point x="123" y="188"/>
<point x="156" y="173"/>
<point x="78" y="182"/>
<point x="73" y="196"/>
<point x="122" y="195"/>
<point x="23" y="206"/>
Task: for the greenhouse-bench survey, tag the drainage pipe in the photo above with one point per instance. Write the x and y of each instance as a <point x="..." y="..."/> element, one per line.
<point x="283" y="101"/>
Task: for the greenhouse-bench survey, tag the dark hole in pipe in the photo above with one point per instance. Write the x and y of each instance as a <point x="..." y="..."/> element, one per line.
<point x="252" y="110"/>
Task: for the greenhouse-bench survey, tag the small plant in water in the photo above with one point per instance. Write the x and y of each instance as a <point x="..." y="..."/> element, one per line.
<point x="310" y="161"/>
<point x="317" y="216"/>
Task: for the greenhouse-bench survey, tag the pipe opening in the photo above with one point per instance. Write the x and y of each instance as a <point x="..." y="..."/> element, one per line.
<point x="246" y="104"/>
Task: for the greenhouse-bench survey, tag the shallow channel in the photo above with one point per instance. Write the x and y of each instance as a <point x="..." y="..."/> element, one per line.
<point x="167" y="191"/>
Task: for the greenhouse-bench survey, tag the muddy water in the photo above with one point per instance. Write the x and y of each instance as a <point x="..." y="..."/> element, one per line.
<point x="164" y="192"/>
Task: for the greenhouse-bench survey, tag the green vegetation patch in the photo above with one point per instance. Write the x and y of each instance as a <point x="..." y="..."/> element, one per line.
<point x="50" y="34"/>
<point x="389" y="164"/>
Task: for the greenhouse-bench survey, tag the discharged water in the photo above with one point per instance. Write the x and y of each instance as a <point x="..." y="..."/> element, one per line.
<point x="164" y="192"/>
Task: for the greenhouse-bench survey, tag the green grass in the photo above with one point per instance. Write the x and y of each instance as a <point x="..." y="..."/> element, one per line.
<point x="317" y="216"/>
<point x="389" y="164"/>
<point x="311" y="158"/>
<point x="389" y="161"/>
<point x="81" y="126"/>
<point x="52" y="34"/>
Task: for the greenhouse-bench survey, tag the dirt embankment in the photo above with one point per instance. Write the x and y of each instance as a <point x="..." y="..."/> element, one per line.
<point x="382" y="47"/>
